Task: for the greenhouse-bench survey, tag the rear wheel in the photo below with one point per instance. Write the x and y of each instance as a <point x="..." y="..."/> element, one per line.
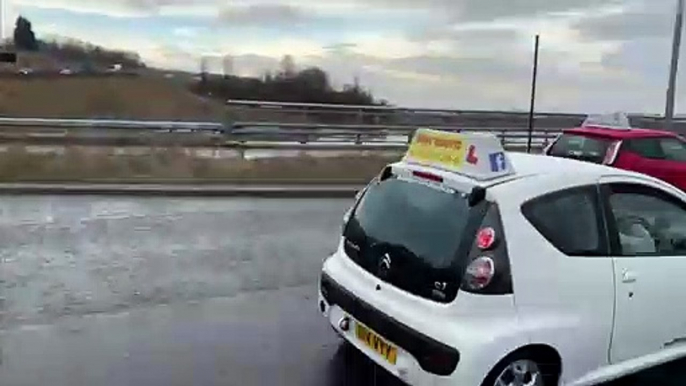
<point x="522" y="370"/>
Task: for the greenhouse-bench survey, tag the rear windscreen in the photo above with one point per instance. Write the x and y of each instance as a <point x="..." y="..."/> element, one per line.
<point x="418" y="228"/>
<point x="580" y="147"/>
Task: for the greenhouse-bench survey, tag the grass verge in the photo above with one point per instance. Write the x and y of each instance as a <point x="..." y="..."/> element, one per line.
<point x="174" y="165"/>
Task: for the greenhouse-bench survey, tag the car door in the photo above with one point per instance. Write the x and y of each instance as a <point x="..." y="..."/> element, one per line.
<point x="674" y="150"/>
<point x="650" y="160"/>
<point x="660" y="157"/>
<point x="647" y="229"/>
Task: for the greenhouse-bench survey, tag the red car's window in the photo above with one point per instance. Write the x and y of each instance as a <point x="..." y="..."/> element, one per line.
<point x="674" y="149"/>
<point x="580" y="147"/>
<point x="670" y="149"/>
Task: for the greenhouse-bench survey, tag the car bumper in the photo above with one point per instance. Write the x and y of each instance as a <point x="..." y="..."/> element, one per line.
<point x="407" y="367"/>
<point x="404" y="368"/>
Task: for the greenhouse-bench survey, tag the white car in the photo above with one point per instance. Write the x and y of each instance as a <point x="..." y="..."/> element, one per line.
<point x="466" y="265"/>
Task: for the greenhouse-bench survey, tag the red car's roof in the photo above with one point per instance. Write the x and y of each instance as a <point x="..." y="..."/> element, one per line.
<point x="619" y="134"/>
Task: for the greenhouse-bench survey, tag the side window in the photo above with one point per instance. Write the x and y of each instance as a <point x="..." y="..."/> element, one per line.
<point x="569" y="220"/>
<point x="647" y="221"/>
<point x="671" y="149"/>
<point x="646" y="147"/>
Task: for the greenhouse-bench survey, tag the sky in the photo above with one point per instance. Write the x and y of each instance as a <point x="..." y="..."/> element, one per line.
<point x="595" y="56"/>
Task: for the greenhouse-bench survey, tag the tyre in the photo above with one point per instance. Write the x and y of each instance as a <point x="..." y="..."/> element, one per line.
<point x="523" y="369"/>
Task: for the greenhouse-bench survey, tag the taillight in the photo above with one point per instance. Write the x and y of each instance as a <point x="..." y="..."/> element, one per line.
<point x="487" y="266"/>
<point x="479" y="273"/>
<point x="549" y="146"/>
<point x="428" y="176"/>
<point x="611" y="153"/>
<point x="485" y="238"/>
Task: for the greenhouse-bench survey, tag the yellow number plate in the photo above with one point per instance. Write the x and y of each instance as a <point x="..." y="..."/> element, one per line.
<point x="376" y="343"/>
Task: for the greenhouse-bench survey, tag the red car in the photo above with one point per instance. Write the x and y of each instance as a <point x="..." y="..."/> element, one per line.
<point x="661" y="154"/>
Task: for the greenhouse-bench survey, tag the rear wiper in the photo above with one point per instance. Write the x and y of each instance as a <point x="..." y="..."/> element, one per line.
<point x="399" y="249"/>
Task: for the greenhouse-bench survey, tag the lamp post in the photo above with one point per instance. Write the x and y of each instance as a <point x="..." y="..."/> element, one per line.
<point x="532" y="104"/>
<point x="674" y="66"/>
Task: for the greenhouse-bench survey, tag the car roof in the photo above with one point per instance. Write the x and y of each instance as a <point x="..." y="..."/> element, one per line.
<point x="604" y="132"/>
<point x="443" y="157"/>
<point x="533" y="175"/>
<point x="529" y="165"/>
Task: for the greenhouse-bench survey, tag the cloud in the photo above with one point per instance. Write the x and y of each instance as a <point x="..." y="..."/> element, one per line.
<point x="488" y="10"/>
<point x="478" y="83"/>
<point x="262" y="14"/>
<point x="464" y="10"/>
<point x="127" y="8"/>
<point x="474" y="33"/>
<point x="596" y="55"/>
<point x="186" y="32"/>
<point x="637" y="20"/>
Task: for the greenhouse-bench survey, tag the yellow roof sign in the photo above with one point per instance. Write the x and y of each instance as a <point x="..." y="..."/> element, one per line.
<point x="479" y="156"/>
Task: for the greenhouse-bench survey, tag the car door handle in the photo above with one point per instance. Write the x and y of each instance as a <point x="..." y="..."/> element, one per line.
<point x="628" y="277"/>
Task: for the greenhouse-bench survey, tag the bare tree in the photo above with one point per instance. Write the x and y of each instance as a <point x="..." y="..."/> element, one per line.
<point x="227" y="64"/>
<point x="288" y="67"/>
<point x="203" y="69"/>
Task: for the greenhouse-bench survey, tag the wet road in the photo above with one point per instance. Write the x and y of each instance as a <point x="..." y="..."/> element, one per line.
<point x="152" y="291"/>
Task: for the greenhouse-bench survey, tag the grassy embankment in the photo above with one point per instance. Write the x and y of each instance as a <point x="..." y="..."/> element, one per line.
<point x="148" y="96"/>
<point x="169" y="165"/>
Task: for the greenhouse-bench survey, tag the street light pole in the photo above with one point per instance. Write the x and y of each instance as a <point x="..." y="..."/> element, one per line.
<point x="676" y="45"/>
<point x="532" y="104"/>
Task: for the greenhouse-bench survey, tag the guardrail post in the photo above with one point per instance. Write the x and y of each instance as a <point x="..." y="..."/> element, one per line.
<point x="358" y="139"/>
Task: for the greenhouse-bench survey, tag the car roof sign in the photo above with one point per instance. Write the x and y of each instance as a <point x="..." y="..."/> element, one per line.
<point x="618" y="121"/>
<point x="476" y="155"/>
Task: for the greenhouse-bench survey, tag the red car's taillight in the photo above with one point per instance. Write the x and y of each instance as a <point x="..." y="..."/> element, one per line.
<point x="611" y="153"/>
<point x="549" y="146"/>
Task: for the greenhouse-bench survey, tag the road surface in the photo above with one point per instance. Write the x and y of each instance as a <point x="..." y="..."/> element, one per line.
<point x="162" y="292"/>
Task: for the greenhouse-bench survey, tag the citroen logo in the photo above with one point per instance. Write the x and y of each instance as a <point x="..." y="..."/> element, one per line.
<point x="384" y="266"/>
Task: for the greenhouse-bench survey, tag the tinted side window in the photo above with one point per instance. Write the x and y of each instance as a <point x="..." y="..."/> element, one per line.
<point x="671" y="149"/>
<point x="570" y="220"/>
<point x="647" y="147"/>
<point x="647" y="221"/>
